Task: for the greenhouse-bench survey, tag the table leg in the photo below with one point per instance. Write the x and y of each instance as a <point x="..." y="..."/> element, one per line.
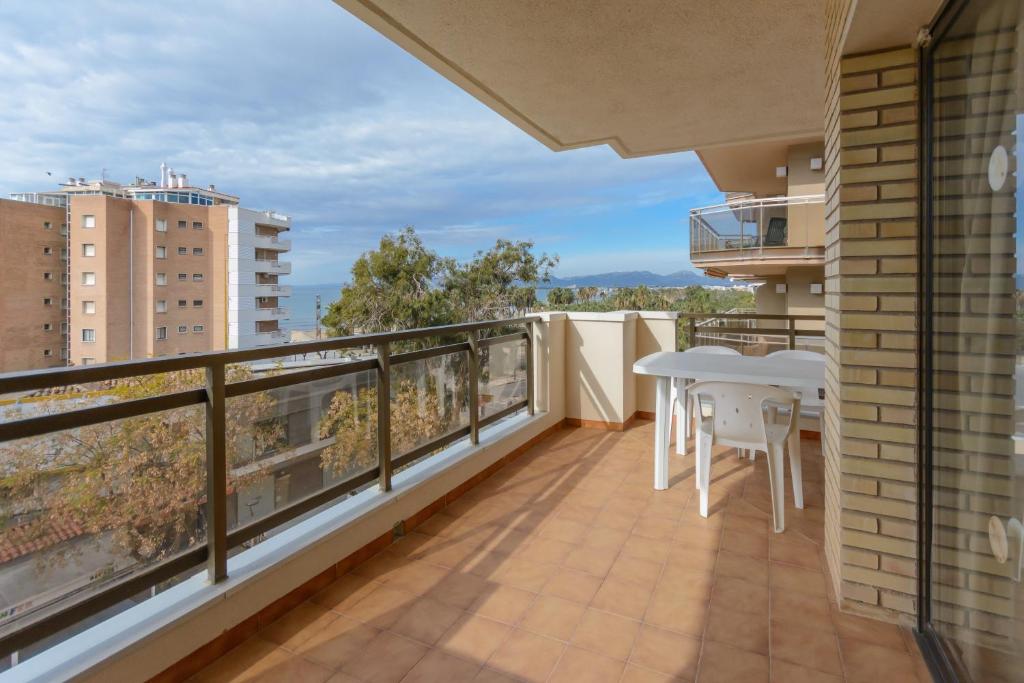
<point x="662" y="432"/>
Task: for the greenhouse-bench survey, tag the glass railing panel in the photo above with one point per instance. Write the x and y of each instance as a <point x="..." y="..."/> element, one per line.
<point x="502" y="376"/>
<point x="85" y="508"/>
<point x="429" y="400"/>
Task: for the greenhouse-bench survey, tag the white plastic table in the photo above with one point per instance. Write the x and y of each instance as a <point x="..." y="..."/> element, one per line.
<point x="669" y="365"/>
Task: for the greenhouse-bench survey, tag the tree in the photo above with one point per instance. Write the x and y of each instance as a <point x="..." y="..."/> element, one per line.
<point x="640" y="298"/>
<point x="586" y="294"/>
<point x="496" y="283"/>
<point x="141" y="481"/>
<point x="392" y="288"/>
<point x="561" y="296"/>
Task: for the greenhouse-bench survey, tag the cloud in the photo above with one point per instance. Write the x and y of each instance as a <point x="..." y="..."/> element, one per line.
<point x="302" y="108"/>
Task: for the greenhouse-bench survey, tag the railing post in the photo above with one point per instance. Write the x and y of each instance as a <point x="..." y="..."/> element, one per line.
<point x="530" y="330"/>
<point x="760" y="229"/>
<point x="216" y="475"/>
<point x="384" y="414"/>
<point x="691" y="332"/>
<point x="474" y="389"/>
<point x="792" y="334"/>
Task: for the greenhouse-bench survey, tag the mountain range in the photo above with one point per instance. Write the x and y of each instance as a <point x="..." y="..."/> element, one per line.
<point x="635" y="278"/>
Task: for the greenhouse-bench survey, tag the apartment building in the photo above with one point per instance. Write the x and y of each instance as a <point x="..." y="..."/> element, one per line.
<point x="33" y="323"/>
<point x="771" y="229"/>
<point x="151" y="269"/>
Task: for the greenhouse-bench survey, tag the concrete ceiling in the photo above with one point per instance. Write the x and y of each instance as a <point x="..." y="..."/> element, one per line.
<point x="882" y="24"/>
<point x="643" y="76"/>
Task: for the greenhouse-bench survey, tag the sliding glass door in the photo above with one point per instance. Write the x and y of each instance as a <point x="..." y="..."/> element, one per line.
<point x="973" y="602"/>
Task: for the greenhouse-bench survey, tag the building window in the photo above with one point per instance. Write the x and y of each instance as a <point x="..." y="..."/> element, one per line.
<point x="47" y="276"/>
<point x="47" y="327"/>
<point x="198" y="329"/>
<point x="47" y="251"/>
<point x="47" y="353"/>
<point x="161" y="225"/>
<point x="182" y="276"/>
<point x="89" y="307"/>
<point x="161" y="252"/>
<point x="182" y="251"/>
<point x="64" y="228"/>
<point x="182" y="329"/>
<point x="197" y="251"/>
<point x="182" y="303"/>
<point x="161" y="305"/>
<point x="63" y="354"/>
<point x="88" y="250"/>
<point x="198" y="277"/>
<point x="47" y="225"/>
<point x="197" y="225"/>
<point x="47" y="301"/>
<point x="88" y="279"/>
<point x="161" y="278"/>
<point x="161" y="333"/>
<point x="197" y="303"/>
<point x="88" y="335"/>
<point x="88" y="221"/>
<point x="86" y="360"/>
<point x="63" y="328"/>
<point x="182" y="224"/>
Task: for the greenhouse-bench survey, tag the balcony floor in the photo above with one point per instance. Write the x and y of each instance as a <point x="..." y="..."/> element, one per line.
<point x="567" y="566"/>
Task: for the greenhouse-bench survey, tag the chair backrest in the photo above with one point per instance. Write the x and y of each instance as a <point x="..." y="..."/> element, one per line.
<point x="775" y="233"/>
<point x="720" y="350"/>
<point x="800" y="355"/>
<point x="738" y="412"/>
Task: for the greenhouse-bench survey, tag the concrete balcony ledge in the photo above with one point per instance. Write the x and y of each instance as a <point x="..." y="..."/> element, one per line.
<point x="147" y="639"/>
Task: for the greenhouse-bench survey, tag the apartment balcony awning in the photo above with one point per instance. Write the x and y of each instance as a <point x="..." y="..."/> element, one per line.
<point x="644" y="78"/>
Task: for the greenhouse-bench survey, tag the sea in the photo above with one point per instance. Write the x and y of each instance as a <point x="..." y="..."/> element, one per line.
<point x="302" y="305"/>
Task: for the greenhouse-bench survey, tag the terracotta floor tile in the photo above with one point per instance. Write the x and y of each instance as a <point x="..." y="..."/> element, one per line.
<point x="789" y="578"/>
<point x="606" y="633"/>
<point x="605" y="537"/>
<point x="745" y="543"/>
<point x="693" y="559"/>
<point x="545" y="550"/>
<point x="525" y="574"/>
<point x="553" y="617"/>
<point x="474" y="637"/>
<point x="387" y="658"/>
<point x="693" y="536"/>
<point x="802" y="609"/>
<point x="742" y="567"/>
<point x="795" y="550"/>
<point x="438" y="665"/>
<point x="426" y="620"/>
<point x="298" y="625"/>
<point x="338" y="643"/>
<point x="345" y="592"/>
<point x="624" y="598"/>
<point x="720" y="663"/>
<point x="666" y="652"/>
<point x="675" y="610"/>
<point x="460" y="590"/>
<point x="503" y="603"/>
<point x="571" y="584"/>
<point x="656" y="528"/>
<point x="784" y="672"/>
<point x="564" y="530"/>
<point x="380" y="608"/>
<point x="739" y="595"/>
<point x="245" y="662"/>
<point x="381" y="566"/>
<point x="527" y="656"/>
<point x="582" y="666"/>
<point x="738" y="629"/>
<point x="626" y="568"/>
<point x="869" y="663"/>
<point x="594" y="561"/>
<point x="809" y="647"/>
<point x="638" y="674"/>
<point x="869" y="630"/>
<point x="417" y="577"/>
<point x="646" y="548"/>
<point x="486" y="675"/>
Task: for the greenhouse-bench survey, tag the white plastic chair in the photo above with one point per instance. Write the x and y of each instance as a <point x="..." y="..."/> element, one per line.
<point x="680" y="399"/>
<point x="810" y="404"/>
<point x="738" y="419"/>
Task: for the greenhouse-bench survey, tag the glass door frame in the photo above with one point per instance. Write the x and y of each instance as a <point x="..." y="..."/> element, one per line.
<point x="943" y="667"/>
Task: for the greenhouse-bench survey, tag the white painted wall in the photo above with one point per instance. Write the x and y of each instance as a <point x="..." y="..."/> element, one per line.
<point x="242" y="276"/>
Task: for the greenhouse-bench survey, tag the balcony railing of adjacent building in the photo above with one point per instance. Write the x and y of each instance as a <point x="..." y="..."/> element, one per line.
<point x="767" y="228"/>
<point x="755" y="334"/>
<point x="212" y="399"/>
<point x="278" y="267"/>
<point x="272" y="242"/>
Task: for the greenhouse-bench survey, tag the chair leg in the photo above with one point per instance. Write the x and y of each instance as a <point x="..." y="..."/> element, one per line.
<point x="682" y="429"/>
<point x="796" y="470"/>
<point x="777" y="481"/>
<point x="698" y="450"/>
<point x="704" y="473"/>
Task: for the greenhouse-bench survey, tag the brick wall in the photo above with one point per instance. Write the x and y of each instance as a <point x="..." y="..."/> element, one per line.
<point x="872" y="322"/>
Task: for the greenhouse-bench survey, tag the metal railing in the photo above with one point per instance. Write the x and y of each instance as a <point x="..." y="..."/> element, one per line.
<point x="754" y="227"/>
<point x="24" y="631"/>
<point x="743" y="331"/>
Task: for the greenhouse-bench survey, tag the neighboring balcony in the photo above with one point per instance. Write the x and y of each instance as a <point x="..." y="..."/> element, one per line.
<point x="758" y="237"/>
<point x="269" y="313"/>
<point x="272" y="242"/>
<point x="276" y="267"/>
<point x="269" y="290"/>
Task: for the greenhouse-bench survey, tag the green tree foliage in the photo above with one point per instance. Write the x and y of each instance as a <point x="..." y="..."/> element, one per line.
<point x="500" y="282"/>
<point x="561" y="296"/>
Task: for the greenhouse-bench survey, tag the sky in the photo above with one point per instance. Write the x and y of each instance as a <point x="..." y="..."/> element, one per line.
<point x="299" y="107"/>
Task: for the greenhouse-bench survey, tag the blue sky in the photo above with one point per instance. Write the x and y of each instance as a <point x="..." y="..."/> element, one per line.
<point x="300" y="107"/>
